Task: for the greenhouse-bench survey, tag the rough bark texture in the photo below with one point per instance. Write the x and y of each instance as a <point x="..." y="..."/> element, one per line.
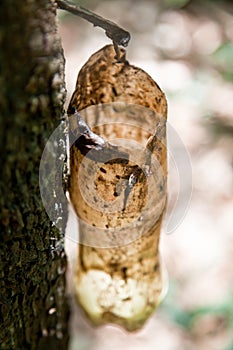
<point x="118" y="193"/>
<point x="34" y="311"/>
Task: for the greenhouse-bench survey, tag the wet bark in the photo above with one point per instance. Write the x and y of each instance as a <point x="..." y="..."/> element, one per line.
<point x="33" y="307"/>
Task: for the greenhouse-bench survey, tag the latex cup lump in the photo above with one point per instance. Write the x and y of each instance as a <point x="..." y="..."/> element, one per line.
<point x="118" y="189"/>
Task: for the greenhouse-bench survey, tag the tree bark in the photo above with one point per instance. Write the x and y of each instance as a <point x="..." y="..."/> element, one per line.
<point x="34" y="311"/>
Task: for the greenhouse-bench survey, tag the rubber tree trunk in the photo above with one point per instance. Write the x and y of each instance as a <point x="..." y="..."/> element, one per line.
<point x="34" y="310"/>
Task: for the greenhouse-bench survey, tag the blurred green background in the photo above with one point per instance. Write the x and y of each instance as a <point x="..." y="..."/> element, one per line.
<point x="187" y="48"/>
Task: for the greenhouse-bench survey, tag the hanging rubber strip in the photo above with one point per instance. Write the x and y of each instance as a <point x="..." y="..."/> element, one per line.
<point x="118" y="188"/>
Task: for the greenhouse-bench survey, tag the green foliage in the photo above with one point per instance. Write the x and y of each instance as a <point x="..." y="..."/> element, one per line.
<point x="176" y="3"/>
<point x="230" y="346"/>
<point x="187" y="318"/>
<point x="223" y="58"/>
